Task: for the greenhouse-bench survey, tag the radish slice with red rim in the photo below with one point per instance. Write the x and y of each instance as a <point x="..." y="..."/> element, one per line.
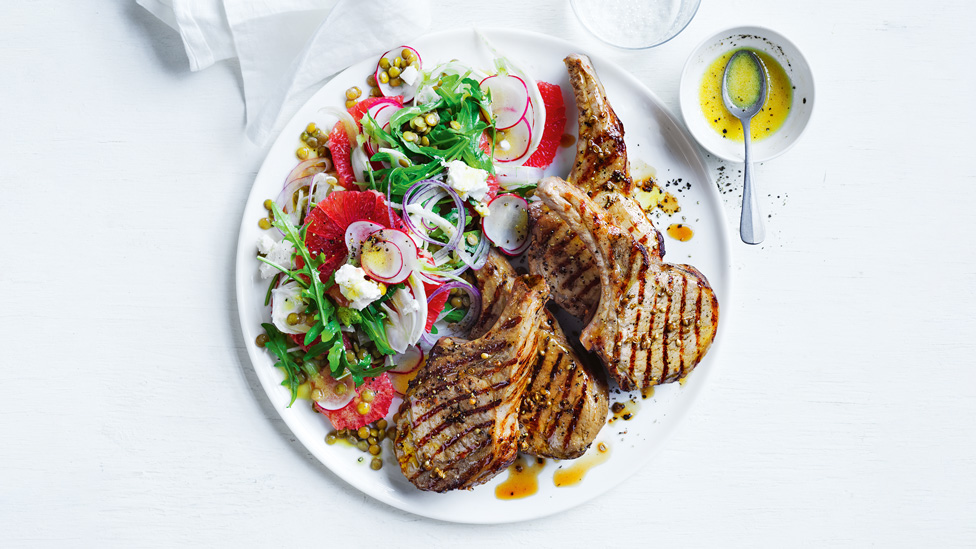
<point x="507" y="223"/>
<point x="356" y="233"/>
<point x="333" y="394"/>
<point x="509" y="99"/>
<point x="408" y="360"/>
<point x="381" y="113"/>
<point x="410" y="74"/>
<point x="513" y="144"/>
<point x="388" y="255"/>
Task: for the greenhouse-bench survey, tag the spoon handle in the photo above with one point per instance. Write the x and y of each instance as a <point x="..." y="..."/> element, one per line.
<point x="751" y="228"/>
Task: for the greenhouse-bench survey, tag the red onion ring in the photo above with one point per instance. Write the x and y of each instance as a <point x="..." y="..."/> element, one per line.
<point x="463" y="326"/>
<point x="410" y="197"/>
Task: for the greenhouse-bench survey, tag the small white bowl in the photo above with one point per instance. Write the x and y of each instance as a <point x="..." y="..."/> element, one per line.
<point x="783" y="51"/>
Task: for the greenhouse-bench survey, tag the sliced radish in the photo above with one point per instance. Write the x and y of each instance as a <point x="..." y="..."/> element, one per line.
<point x="408" y="360"/>
<point x="509" y="99"/>
<point x="389" y="255"/>
<point x="356" y="233"/>
<point x="401" y="382"/>
<point x="507" y="223"/>
<point x="333" y="394"/>
<point x="381" y="113"/>
<point x="406" y="89"/>
<point x="513" y="144"/>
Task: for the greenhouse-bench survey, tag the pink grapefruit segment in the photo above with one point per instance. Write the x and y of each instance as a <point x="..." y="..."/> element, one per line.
<point x="552" y="98"/>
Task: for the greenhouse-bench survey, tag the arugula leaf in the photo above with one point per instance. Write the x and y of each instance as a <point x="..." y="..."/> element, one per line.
<point x="278" y="344"/>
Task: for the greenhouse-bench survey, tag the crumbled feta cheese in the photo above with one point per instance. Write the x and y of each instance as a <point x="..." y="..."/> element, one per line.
<point x="265" y="243"/>
<point x="355" y="287"/>
<point x="467" y="181"/>
<point x="279" y="253"/>
<point x="409" y="75"/>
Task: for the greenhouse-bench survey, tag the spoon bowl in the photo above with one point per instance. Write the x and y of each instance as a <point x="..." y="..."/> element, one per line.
<point x="744" y="93"/>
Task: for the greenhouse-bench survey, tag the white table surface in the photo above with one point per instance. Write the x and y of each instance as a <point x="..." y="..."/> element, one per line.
<point x="842" y="412"/>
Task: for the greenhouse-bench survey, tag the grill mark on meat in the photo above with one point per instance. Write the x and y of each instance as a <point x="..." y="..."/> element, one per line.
<point x="698" y="314"/>
<point x="632" y="365"/>
<point x="577" y="411"/>
<point x="664" y="336"/>
<point x="682" y="355"/>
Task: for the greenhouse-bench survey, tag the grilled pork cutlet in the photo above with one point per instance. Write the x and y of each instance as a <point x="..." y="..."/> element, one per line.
<point x="567" y="400"/>
<point x="458" y="424"/>
<point x="655" y="320"/>
<point x="602" y="171"/>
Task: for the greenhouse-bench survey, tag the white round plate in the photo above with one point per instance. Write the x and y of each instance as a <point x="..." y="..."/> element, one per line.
<point x="788" y="56"/>
<point x="653" y="136"/>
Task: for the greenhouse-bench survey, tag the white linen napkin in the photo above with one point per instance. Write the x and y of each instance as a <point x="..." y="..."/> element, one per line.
<point x="287" y="48"/>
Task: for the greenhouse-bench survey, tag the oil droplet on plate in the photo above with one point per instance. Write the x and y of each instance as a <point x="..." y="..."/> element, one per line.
<point x="523" y="478"/>
<point x="573" y="474"/>
<point x="680" y="231"/>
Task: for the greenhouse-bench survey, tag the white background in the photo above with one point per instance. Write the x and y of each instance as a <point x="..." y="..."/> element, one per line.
<point x="842" y="412"/>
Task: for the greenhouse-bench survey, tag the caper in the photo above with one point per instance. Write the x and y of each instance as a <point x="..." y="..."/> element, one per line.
<point x="381" y="424"/>
<point x="312" y="142"/>
<point x="372" y="440"/>
<point x="376" y="464"/>
<point x="354" y="93"/>
<point x="318" y="133"/>
<point x="367" y="396"/>
<point x="340" y="389"/>
<point x="407" y="55"/>
<point x="396" y="82"/>
<point x="311" y="128"/>
<point x="363" y="408"/>
<point x="363" y="432"/>
<point x="409" y="136"/>
<point x="317" y="394"/>
<point x="351" y="103"/>
<point x="424" y="141"/>
<point x="322" y="150"/>
<point x="264" y="223"/>
<point x="331" y="438"/>
<point x="456" y="302"/>
<point x="304" y="136"/>
<point x="397" y="62"/>
<point x="394" y="72"/>
<point x="384" y="77"/>
<point x="375" y="92"/>
<point x="261" y="340"/>
<point x="374" y="449"/>
<point x="267" y="204"/>
<point x="291" y="319"/>
<point x="362" y="445"/>
<point x="384" y="63"/>
<point x="432" y="119"/>
<point x="466" y="302"/>
<point x="371" y="80"/>
<point x="391" y="432"/>
<point x="303" y="152"/>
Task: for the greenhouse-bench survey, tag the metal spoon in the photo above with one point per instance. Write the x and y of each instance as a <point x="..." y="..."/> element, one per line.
<point x="751" y="228"/>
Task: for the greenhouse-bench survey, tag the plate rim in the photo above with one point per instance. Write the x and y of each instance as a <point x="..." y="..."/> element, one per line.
<point x="691" y="153"/>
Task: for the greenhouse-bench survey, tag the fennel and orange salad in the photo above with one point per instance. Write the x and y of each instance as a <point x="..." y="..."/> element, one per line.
<point x="394" y="200"/>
